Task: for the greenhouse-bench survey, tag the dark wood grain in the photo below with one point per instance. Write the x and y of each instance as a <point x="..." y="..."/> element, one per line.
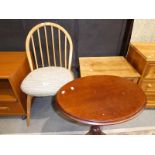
<point x="101" y="100"/>
<point x="95" y="130"/>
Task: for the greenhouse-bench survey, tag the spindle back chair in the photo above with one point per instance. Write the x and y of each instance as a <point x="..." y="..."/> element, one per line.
<point x="44" y="47"/>
<point x="32" y="52"/>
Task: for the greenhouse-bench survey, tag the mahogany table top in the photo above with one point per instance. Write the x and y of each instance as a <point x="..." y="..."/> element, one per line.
<point x="101" y="99"/>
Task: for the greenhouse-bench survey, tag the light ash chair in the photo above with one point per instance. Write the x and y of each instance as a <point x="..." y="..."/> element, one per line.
<point x="49" y="49"/>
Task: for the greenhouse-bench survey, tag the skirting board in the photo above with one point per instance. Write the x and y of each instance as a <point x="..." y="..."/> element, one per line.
<point x="122" y="131"/>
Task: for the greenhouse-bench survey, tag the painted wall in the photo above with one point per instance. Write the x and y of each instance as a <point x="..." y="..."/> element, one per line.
<point x="94" y="37"/>
<point x="143" y="30"/>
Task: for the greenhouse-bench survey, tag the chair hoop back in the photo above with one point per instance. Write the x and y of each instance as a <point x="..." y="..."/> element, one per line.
<point x="67" y="52"/>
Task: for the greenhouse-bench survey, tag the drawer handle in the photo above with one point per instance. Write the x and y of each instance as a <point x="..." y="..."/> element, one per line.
<point x="149" y="85"/>
<point x="4" y="108"/>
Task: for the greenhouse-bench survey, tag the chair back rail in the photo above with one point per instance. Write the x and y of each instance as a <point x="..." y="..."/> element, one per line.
<point x="39" y="35"/>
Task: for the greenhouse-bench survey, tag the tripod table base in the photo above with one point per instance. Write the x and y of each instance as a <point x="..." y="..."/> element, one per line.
<point x="95" y="130"/>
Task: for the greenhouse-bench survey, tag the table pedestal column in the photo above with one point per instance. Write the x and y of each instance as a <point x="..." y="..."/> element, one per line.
<point x="95" y="130"/>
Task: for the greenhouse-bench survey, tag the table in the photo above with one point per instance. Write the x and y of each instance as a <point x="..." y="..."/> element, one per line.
<point x="100" y="100"/>
<point x="111" y="65"/>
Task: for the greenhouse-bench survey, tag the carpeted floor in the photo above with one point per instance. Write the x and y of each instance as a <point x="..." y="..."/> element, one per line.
<point x="46" y="120"/>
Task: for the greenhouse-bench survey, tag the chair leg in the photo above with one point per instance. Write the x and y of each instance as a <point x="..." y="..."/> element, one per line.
<point x="29" y="102"/>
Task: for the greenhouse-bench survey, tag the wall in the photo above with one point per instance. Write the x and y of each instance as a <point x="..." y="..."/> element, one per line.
<point x="95" y="37"/>
<point x="143" y="30"/>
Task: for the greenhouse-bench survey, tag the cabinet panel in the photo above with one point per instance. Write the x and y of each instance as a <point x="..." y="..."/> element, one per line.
<point x="135" y="59"/>
<point x="150" y="73"/>
<point x="141" y="56"/>
<point x="14" y="69"/>
<point x="6" y="92"/>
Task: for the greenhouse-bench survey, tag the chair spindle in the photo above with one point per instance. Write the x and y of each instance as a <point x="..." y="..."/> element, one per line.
<point x="34" y="51"/>
<point x="40" y="47"/>
<point x="65" y="52"/>
<point x="60" y="57"/>
<point x="47" y="48"/>
<point x="53" y="45"/>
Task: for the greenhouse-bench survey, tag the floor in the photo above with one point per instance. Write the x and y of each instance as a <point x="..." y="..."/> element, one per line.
<point x="46" y="119"/>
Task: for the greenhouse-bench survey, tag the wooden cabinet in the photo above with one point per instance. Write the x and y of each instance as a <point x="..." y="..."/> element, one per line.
<point x="142" y="58"/>
<point x="114" y="65"/>
<point x="13" y="68"/>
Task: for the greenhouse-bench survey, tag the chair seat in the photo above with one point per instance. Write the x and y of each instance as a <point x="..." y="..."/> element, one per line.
<point x="46" y="81"/>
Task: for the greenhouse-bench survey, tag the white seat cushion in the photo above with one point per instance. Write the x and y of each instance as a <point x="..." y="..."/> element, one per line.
<point x="46" y="81"/>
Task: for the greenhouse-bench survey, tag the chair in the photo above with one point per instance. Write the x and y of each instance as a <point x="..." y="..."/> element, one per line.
<point x="49" y="49"/>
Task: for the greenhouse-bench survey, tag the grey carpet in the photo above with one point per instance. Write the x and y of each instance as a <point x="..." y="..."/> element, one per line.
<point x="46" y="119"/>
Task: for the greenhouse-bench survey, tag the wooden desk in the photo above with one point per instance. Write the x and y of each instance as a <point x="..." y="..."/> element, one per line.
<point x="13" y="69"/>
<point x="100" y="100"/>
<point x="115" y="65"/>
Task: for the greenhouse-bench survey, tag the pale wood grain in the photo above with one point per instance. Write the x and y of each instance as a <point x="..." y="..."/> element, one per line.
<point x="117" y="66"/>
<point x="60" y="29"/>
<point x="67" y="64"/>
<point x="29" y="103"/>
<point x="40" y="47"/>
<point x="148" y="85"/>
<point x="53" y="47"/>
<point x="150" y="71"/>
<point x="65" y="52"/>
<point x="47" y="48"/>
<point x="142" y="57"/>
<point x="34" y="51"/>
<point x="147" y="50"/>
<point x="60" y="55"/>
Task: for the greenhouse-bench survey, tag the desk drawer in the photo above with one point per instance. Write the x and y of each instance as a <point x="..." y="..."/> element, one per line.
<point x="150" y="73"/>
<point x="148" y="85"/>
<point x="9" y="108"/>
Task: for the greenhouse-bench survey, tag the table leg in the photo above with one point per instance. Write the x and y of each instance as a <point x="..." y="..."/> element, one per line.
<point x="95" y="130"/>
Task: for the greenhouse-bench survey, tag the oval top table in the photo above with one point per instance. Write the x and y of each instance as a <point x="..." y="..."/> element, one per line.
<point x="100" y="100"/>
